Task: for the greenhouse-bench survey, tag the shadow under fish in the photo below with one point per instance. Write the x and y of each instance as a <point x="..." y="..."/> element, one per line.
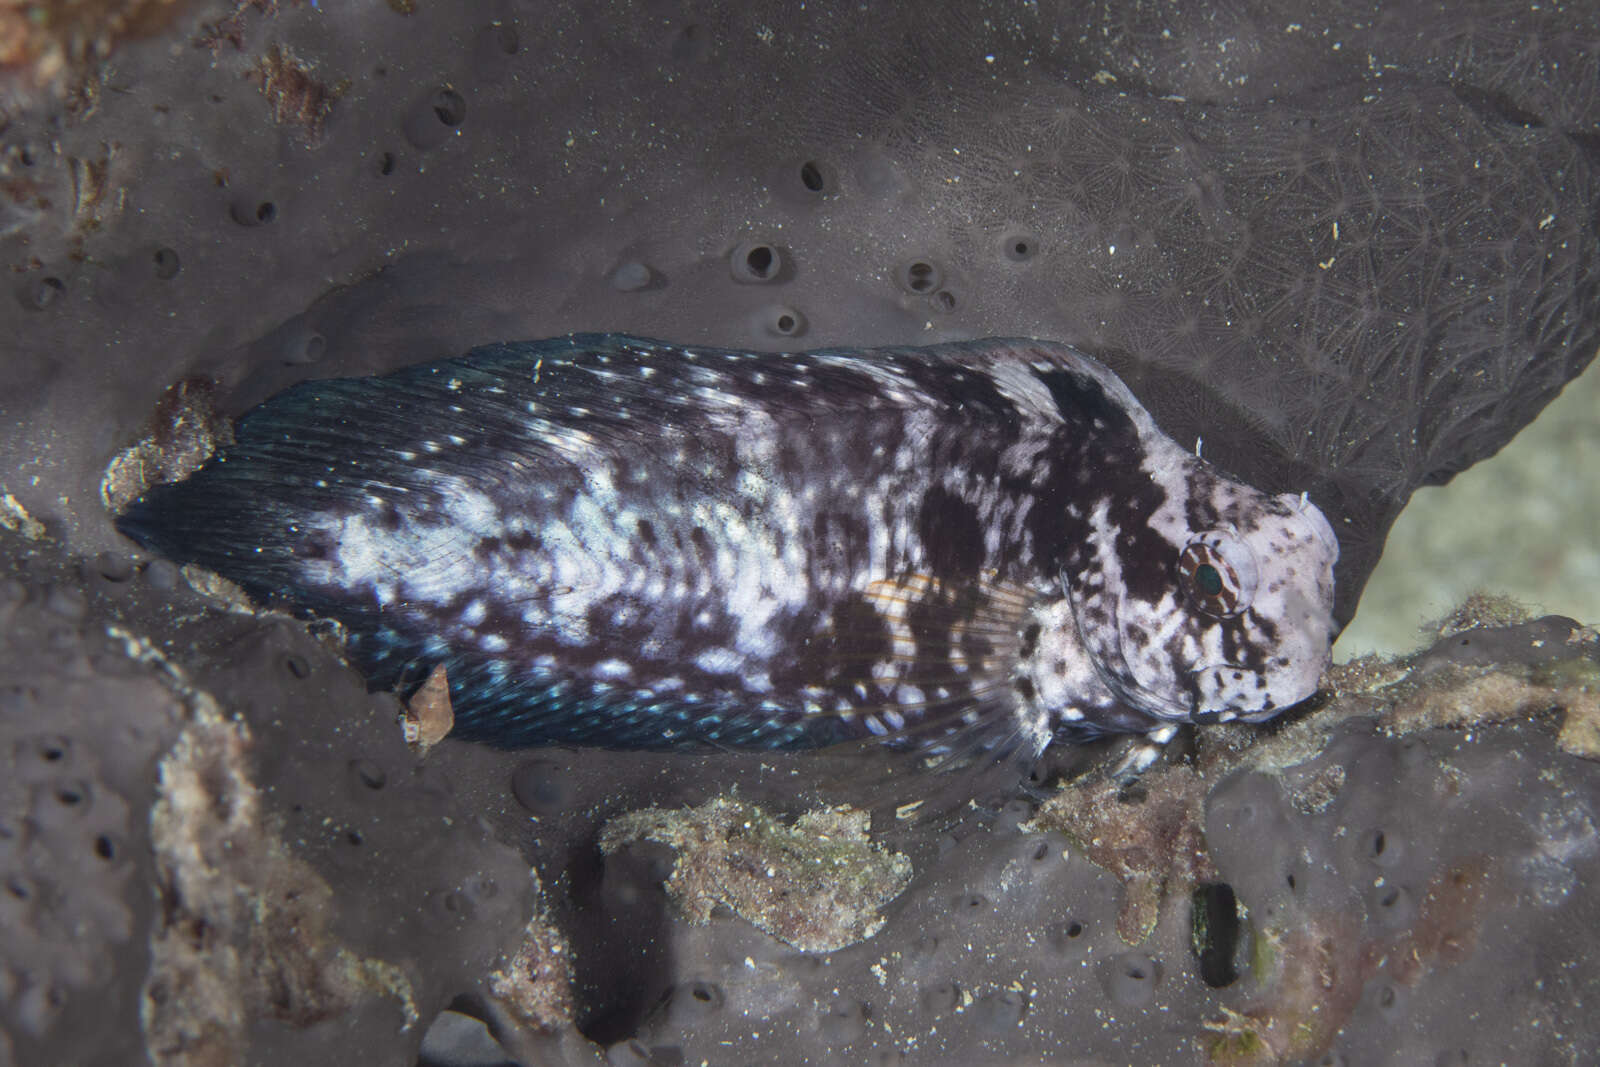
<point x="606" y="540"/>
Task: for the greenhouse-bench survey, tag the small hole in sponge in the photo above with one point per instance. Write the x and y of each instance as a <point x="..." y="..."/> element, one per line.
<point x="166" y="264"/>
<point x="1215" y="931"/>
<point x="811" y="177"/>
<point x="450" y="107"/>
<point x="922" y="277"/>
<point x="756" y="262"/>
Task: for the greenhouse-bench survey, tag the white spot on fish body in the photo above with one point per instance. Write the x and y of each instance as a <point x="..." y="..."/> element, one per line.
<point x="614" y="669"/>
<point x="718" y="661"/>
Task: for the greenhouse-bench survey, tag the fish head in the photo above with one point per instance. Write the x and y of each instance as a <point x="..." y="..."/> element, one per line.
<point x="1210" y="612"/>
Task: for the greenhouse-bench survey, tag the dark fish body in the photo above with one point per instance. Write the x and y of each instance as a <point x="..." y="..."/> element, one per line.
<point x="614" y="541"/>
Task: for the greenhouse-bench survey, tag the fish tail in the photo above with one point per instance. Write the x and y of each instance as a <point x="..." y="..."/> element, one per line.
<point x="228" y="518"/>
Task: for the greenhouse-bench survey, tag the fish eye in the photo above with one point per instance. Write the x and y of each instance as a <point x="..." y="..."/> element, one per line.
<point x="1218" y="573"/>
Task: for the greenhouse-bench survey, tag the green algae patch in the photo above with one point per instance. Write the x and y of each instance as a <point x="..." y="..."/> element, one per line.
<point x="1482" y="610"/>
<point x="817" y="885"/>
<point x="1236" y="1045"/>
<point x="1455" y="697"/>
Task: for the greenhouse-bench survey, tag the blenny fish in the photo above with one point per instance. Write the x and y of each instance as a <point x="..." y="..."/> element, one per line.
<point x="608" y="540"/>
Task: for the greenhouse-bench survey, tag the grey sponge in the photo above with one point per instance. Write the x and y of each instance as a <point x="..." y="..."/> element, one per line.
<point x="1342" y="252"/>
